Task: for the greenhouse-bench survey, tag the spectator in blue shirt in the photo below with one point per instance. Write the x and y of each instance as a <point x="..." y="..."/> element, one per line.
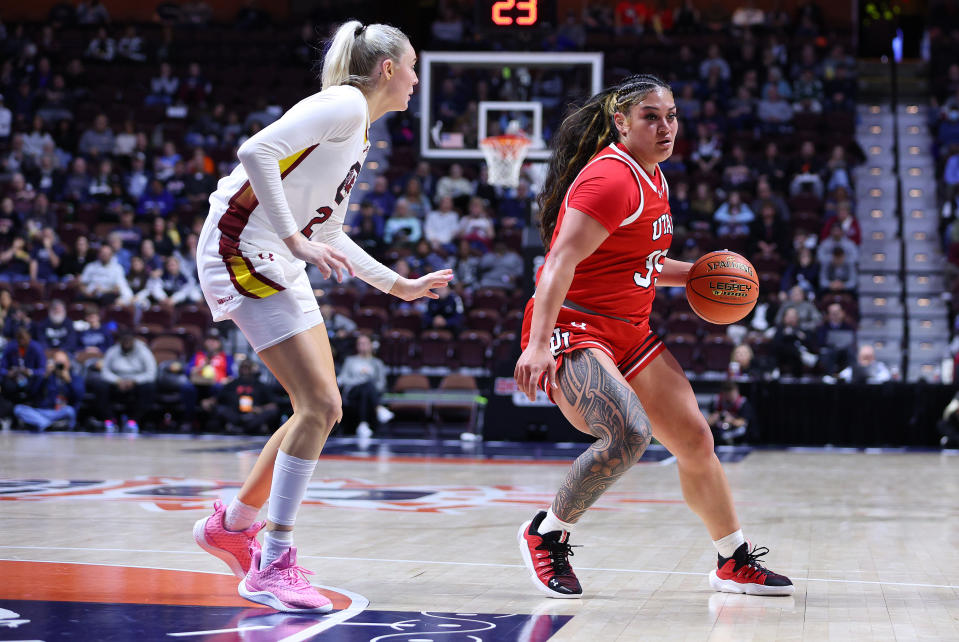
<point x="56" y="398"/>
<point x="120" y="252"/>
<point x="733" y="217"/>
<point x="76" y="184"/>
<point x="56" y="331"/>
<point x="516" y="206"/>
<point x="17" y="318"/>
<point x="22" y="367"/>
<point x="424" y="260"/>
<point x="951" y="174"/>
<point x="381" y="197"/>
<point x="446" y="311"/>
<point x="15" y="261"/>
<point x="129" y="233"/>
<point x="156" y="200"/>
<point x="96" y="335"/>
<point x="368" y="211"/>
<point x="45" y="256"/>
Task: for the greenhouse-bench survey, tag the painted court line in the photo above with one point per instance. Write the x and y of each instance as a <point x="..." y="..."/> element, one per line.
<point x="435" y="562"/>
<point x="219" y="631"/>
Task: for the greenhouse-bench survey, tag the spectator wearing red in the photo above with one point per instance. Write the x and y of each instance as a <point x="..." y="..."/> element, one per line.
<point x="845" y="221"/>
<point x="631" y="17"/>
<point x="211" y="365"/>
<point x="477" y="227"/>
<point x="194" y="88"/>
<point x="731" y="416"/>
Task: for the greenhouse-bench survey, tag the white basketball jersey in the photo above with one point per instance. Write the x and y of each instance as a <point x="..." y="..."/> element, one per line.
<point x="316" y="150"/>
<point x="295" y="176"/>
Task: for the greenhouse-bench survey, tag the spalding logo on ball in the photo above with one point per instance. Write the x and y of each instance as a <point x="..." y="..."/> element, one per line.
<point x="722" y="287"/>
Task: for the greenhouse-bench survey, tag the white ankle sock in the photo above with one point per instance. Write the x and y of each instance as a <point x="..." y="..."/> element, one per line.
<point x="239" y="516"/>
<point x="726" y="546"/>
<point x="275" y="543"/>
<point x="553" y="523"/>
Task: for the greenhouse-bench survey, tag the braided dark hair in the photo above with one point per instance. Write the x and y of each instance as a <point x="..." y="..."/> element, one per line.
<point x="581" y="135"/>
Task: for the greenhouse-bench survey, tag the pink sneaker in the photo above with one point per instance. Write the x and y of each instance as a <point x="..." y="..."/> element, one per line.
<point x="282" y="585"/>
<point x="233" y="547"/>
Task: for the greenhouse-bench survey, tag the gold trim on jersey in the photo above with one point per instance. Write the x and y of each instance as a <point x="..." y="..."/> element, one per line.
<point x="247" y="281"/>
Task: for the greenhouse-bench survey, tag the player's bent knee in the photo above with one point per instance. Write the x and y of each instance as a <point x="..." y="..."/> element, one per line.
<point x="320" y="416"/>
<point x="631" y="443"/>
<point x="639" y="436"/>
<point x="696" y="444"/>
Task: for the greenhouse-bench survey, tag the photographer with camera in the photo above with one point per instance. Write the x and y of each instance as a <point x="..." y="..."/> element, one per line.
<point x="731" y="416"/>
<point x="56" y="400"/>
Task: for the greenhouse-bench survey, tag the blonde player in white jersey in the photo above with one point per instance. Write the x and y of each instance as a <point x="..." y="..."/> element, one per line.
<point x="281" y="208"/>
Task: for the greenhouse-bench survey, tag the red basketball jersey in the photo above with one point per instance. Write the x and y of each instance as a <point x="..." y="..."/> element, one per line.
<point x="619" y="278"/>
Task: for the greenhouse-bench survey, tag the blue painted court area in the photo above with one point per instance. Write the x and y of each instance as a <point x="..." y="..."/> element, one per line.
<point x="491" y="451"/>
<point x="42" y="620"/>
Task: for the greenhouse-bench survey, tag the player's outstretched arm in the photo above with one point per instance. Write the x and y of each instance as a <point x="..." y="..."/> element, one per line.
<point x="410" y="289"/>
<point x="378" y="275"/>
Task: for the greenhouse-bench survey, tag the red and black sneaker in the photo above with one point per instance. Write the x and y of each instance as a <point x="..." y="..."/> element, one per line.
<point x="547" y="558"/>
<point x="742" y="573"/>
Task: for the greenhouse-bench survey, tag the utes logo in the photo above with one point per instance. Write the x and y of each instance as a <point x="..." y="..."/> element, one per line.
<point x="662" y="225"/>
<point x="558" y="341"/>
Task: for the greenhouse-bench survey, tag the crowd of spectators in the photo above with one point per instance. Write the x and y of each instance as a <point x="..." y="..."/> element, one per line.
<point x="113" y="136"/>
<point x="940" y="52"/>
<point x="763" y="164"/>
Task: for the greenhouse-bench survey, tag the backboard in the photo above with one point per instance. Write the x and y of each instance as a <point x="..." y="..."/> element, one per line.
<point x="467" y="96"/>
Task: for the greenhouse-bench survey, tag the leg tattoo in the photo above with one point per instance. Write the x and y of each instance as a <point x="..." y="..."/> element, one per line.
<point x="615" y="416"/>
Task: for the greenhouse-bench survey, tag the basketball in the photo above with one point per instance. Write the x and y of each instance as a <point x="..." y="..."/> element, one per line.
<point x="722" y="287"/>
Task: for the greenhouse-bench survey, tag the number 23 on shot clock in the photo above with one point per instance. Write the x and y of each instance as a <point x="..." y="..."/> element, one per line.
<point x="507" y="16"/>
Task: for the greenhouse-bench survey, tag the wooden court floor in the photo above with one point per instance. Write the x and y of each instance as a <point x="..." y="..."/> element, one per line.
<point x="95" y="544"/>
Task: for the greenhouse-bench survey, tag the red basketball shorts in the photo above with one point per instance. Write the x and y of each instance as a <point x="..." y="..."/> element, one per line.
<point x="631" y="346"/>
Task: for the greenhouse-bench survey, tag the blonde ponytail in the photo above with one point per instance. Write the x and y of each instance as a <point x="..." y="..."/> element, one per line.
<point x="355" y="51"/>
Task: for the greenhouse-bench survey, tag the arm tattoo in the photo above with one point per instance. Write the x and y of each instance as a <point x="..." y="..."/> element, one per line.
<point x="614" y="416"/>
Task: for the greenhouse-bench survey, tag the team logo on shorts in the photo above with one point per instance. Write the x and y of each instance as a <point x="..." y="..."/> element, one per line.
<point x="558" y="341"/>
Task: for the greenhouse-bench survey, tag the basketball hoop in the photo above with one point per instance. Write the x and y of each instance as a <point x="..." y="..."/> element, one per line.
<point x="504" y="158"/>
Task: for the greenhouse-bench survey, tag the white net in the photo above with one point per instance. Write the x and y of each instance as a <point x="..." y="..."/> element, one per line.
<point x="504" y="158"/>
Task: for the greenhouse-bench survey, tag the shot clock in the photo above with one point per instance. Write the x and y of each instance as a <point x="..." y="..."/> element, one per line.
<point x="515" y="16"/>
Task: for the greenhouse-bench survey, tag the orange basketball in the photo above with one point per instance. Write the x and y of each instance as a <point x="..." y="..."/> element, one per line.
<point x="722" y="287"/>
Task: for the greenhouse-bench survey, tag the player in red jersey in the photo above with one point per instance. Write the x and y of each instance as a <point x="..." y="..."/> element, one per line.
<point x="606" y="223"/>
